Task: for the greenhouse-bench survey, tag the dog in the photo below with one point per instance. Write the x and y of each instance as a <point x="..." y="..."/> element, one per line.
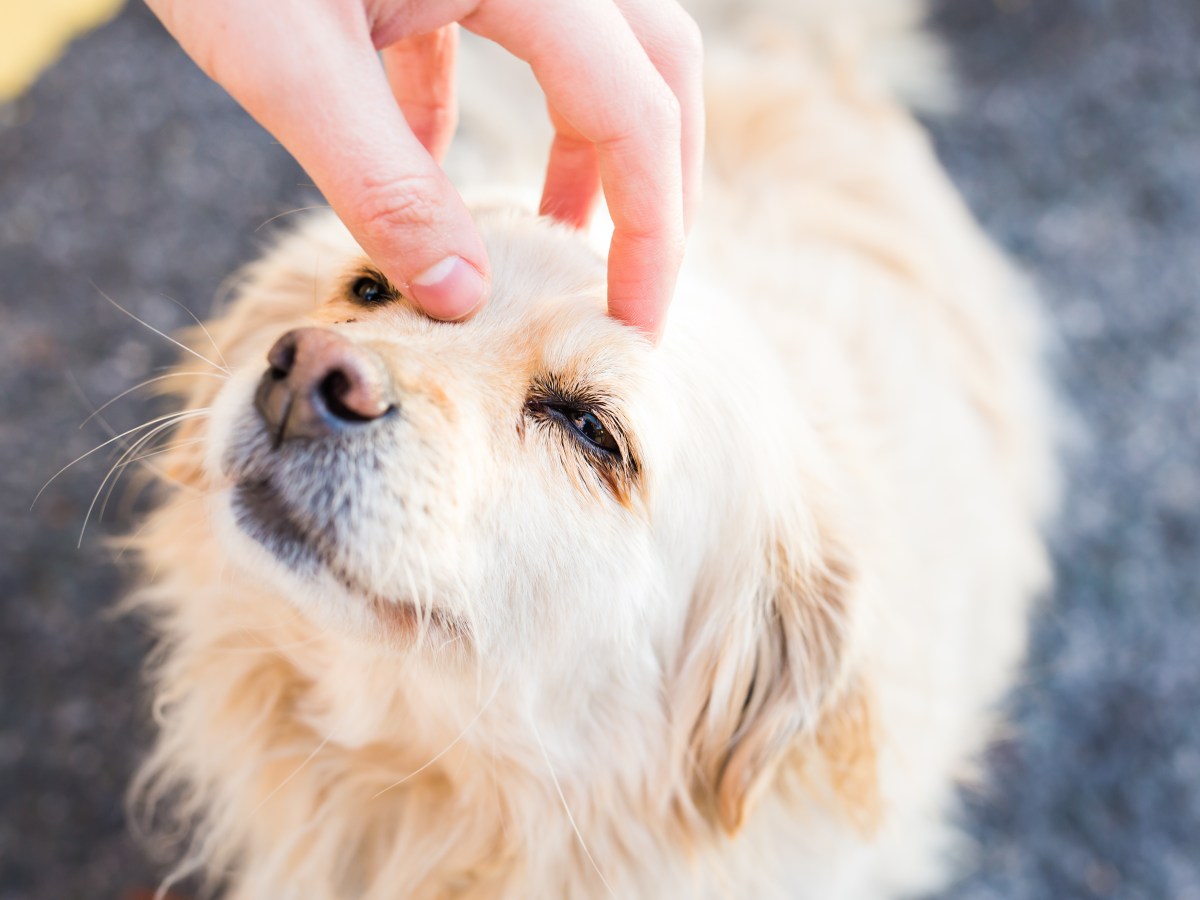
<point x="524" y="607"/>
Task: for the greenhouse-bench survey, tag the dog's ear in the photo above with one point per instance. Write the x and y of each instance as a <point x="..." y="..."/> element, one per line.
<point x="780" y="679"/>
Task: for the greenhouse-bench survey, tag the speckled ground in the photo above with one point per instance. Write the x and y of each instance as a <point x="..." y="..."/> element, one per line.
<point x="1078" y="145"/>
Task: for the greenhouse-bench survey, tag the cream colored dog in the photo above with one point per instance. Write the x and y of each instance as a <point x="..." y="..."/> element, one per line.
<point x="524" y="608"/>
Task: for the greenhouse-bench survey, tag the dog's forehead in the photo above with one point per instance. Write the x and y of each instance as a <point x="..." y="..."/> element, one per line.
<point x="547" y="300"/>
<point x="545" y="310"/>
<point x="541" y="273"/>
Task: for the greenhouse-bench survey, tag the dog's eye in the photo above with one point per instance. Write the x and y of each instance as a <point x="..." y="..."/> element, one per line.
<point x="371" y="291"/>
<point x="584" y="424"/>
<point x="593" y="431"/>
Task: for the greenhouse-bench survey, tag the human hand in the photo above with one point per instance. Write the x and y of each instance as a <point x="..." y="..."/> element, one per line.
<point x="623" y="83"/>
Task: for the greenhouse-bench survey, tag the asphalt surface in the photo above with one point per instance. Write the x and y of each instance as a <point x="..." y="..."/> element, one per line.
<point x="1077" y="143"/>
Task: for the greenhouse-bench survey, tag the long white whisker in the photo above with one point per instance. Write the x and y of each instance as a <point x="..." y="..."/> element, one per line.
<point x="167" y="337"/>
<point x="447" y="748"/>
<point x="115" y="437"/>
<point x="570" y="818"/>
<point x="203" y="327"/>
<point x="140" y="442"/>
<point x="112" y="431"/>
<point x="126" y="458"/>
<point x="123" y="465"/>
<point x="147" y="383"/>
<point x="115" y="468"/>
<point x="143" y="439"/>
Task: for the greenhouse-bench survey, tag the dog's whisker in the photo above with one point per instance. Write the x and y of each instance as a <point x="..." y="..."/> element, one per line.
<point x="175" y="416"/>
<point x="121" y="466"/>
<point x="142" y="440"/>
<point x="567" y="809"/>
<point x="449" y="641"/>
<point x="162" y="475"/>
<point x="272" y="648"/>
<point x="115" y="470"/>
<point x="466" y="728"/>
<point x="118" y="466"/>
<point x="127" y="458"/>
<point x="393" y="567"/>
<point x="182" y="346"/>
<point x="167" y="478"/>
<point x="419" y="603"/>
<point x="149" y="381"/>
<point x="203" y="327"/>
<point x="290" y="212"/>
<point x="414" y="592"/>
<point x="300" y="768"/>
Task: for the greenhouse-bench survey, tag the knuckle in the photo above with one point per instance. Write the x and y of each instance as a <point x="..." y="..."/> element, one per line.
<point x="433" y="111"/>
<point x="661" y="239"/>
<point x="666" y="110"/>
<point x="673" y="245"/>
<point x="432" y="123"/>
<point x="402" y="204"/>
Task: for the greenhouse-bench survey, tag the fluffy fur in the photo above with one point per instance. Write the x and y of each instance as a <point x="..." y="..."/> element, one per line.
<point x="753" y="660"/>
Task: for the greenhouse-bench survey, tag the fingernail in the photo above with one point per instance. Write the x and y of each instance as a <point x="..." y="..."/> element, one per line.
<point x="450" y="289"/>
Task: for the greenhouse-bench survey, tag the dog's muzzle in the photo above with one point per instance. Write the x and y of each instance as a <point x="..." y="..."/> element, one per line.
<point x="320" y="384"/>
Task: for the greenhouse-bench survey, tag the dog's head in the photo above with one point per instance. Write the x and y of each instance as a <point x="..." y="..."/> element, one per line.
<point x="537" y="493"/>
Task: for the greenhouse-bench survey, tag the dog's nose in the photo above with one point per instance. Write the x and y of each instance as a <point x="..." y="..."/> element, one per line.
<point x="319" y="383"/>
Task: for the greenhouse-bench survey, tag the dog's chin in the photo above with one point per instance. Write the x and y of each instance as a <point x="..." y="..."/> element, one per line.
<point x="274" y="547"/>
<point x="262" y="515"/>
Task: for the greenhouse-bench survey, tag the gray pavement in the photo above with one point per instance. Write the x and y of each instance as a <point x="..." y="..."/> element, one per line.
<point x="1077" y="144"/>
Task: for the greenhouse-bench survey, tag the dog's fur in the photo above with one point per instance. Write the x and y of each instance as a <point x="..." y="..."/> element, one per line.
<point x="455" y="654"/>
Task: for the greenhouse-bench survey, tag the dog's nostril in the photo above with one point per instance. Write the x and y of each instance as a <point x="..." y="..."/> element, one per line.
<point x="349" y="395"/>
<point x="335" y="390"/>
<point x="282" y="356"/>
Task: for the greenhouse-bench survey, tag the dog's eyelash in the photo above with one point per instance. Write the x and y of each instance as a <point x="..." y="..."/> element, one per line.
<point x="583" y="412"/>
<point x="371" y="288"/>
<point x="585" y="424"/>
<point x="576" y="415"/>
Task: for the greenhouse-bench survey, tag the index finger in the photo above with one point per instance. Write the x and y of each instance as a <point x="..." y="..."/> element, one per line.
<point x="598" y="77"/>
<point x="309" y="73"/>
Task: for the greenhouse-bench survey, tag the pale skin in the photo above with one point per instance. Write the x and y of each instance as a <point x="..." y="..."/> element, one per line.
<point x="361" y="92"/>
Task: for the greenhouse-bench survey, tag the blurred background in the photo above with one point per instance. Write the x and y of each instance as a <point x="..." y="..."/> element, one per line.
<point x="1077" y="143"/>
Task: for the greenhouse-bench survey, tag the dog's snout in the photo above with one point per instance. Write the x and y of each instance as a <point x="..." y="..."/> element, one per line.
<point x="318" y="383"/>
